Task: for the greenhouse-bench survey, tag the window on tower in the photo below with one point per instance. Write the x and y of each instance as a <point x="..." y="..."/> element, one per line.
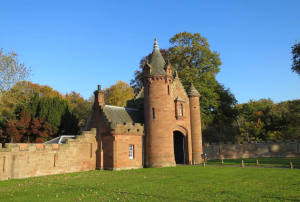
<point x="153" y="113"/>
<point x="180" y="110"/>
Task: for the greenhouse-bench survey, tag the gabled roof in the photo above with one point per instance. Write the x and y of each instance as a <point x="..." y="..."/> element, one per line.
<point x="179" y="99"/>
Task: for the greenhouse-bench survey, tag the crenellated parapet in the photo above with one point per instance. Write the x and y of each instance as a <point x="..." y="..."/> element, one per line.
<point x="87" y="136"/>
<point x="20" y="160"/>
<point x="127" y="128"/>
<point x="158" y="78"/>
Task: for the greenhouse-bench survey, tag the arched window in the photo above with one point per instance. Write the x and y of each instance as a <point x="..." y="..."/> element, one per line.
<point x="180" y="110"/>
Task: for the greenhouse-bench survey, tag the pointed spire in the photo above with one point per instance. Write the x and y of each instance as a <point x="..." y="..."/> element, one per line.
<point x="193" y="91"/>
<point x="157" y="61"/>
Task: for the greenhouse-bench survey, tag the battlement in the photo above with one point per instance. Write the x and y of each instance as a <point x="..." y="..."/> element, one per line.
<point x="127" y="128"/>
<point x="15" y="147"/>
<point x="37" y="159"/>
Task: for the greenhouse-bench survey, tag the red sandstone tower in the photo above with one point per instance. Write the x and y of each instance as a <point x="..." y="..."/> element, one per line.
<point x="158" y="111"/>
<point x="196" y="131"/>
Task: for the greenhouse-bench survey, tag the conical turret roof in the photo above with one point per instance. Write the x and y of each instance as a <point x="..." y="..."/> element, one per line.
<point x="193" y="90"/>
<point x="157" y="61"/>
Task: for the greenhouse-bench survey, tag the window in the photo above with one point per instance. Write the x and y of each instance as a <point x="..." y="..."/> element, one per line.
<point x="168" y="90"/>
<point x="153" y="114"/>
<point x="180" y="110"/>
<point x="131" y="148"/>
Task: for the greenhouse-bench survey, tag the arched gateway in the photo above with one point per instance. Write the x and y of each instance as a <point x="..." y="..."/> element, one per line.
<point x="179" y="147"/>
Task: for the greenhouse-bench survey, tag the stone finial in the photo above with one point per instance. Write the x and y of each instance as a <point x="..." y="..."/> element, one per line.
<point x="176" y="74"/>
<point x="155" y="44"/>
<point x="193" y="90"/>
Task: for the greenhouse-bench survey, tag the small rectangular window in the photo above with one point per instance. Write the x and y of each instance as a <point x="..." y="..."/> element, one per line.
<point x="131" y="151"/>
<point x="168" y="90"/>
<point x="181" y="110"/>
<point x="153" y="114"/>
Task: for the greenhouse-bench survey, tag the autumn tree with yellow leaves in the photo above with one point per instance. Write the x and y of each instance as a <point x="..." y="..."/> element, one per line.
<point x="118" y="94"/>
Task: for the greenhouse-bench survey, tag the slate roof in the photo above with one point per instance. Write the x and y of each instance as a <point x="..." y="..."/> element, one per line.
<point x="193" y="90"/>
<point x="123" y="114"/>
<point x="157" y="61"/>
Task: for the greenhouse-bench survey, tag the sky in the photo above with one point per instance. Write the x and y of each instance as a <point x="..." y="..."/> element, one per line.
<point x="74" y="45"/>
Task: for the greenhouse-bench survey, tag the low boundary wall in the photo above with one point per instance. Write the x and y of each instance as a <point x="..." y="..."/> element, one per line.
<point x="31" y="160"/>
<point x="252" y="150"/>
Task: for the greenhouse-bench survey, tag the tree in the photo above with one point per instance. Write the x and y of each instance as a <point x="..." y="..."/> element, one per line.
<point x="296" y="57"/>
<point x="191" y="57"/>
<point x="224" y="116"/>
<point x="28" y="129"/>
<point x="11" y="72"/>
<point x="265" y="120"/>
<point x="118" y="94"/>
<point x="80" y="106"/>
<point x="56" y="112"/>
<point x="43" y="90"/>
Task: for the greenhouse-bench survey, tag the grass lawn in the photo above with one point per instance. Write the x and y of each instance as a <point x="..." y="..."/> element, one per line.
<point x="261" y="162"/>
<point x="181" y="183"/>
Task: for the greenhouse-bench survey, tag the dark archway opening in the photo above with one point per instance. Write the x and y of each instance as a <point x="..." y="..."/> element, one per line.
<point x="178" y="147"/>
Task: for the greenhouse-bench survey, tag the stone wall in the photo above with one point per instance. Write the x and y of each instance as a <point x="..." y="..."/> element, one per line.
<point x="31" y="160"/>
<point x="252" y="150"/>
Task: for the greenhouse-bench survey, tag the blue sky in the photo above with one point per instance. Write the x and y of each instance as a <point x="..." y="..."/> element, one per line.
<point x="75" y="45"/>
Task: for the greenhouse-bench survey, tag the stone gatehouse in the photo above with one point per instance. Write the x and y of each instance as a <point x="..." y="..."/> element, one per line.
<point x="160" y="127"/>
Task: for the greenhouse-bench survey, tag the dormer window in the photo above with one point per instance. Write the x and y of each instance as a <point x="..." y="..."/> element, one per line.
<point x="179" y="105"/>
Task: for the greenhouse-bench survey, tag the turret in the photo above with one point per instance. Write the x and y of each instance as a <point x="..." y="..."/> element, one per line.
<point x="196" y="131"/>
<point x="158" y="111"/>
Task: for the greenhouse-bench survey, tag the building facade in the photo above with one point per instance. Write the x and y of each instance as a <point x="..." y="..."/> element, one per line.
<point x="160" y="127"/>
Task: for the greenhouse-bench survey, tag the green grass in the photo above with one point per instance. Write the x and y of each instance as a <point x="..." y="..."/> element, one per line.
<point x="181" y="183"/>
<point x="285" y="162"/>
